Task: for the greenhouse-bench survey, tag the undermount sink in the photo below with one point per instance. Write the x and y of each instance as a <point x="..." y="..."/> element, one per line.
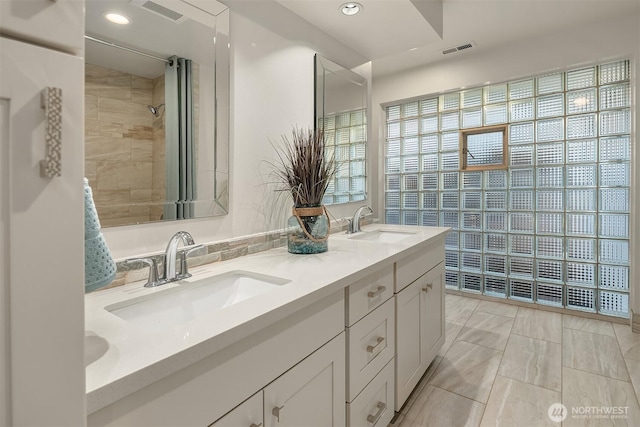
<point x="190" y="300"/>
<point x="384" y="236"/>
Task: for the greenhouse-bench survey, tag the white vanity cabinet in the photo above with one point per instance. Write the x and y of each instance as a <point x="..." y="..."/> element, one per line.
<point x="420" y="325"/>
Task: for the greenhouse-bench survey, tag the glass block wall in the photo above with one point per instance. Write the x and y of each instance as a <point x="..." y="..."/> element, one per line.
<point x="553" y="227"/>
<point x="346" y="137"/>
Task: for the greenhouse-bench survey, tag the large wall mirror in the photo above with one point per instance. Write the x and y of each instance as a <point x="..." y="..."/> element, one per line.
<point x="341" y="112"/>
<point x="157" y="110"/>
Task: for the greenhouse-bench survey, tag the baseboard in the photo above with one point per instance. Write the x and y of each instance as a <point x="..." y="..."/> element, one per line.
<point x="635" y="321"/>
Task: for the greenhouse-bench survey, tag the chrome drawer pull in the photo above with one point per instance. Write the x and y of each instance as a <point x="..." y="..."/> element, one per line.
<point x="374" y="418"/>
<point x="372" y="348"/>
<point x="255" y="425"/>
<point x="378" y="291"/>
<point x="429" y="286"/>
<point x="276" y="412"/>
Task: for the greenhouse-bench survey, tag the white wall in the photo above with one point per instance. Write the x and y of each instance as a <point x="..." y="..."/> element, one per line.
<point x="572" y="47"/>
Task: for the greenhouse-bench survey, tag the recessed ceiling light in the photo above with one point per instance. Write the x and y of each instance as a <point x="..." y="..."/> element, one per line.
<point x="116" y="18"/>
<point x="350" y="8"/>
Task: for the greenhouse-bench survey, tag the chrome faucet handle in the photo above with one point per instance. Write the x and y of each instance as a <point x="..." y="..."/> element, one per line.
<point x="183" y="255"/>
<point x="152" y="280"/>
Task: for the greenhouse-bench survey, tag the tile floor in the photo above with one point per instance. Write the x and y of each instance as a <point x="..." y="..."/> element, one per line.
<point x="504" y="365"/>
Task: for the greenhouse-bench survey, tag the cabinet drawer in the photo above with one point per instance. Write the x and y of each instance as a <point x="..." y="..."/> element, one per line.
<point x="58" y="24"/>
<point x="370" y="346"/>
<point x="368" y="293"/>
<point x="374" y="406"/>
<point x="247" y="414"/>
<point x="416" y="264"/>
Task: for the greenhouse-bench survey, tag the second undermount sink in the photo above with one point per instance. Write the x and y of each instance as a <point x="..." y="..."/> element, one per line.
<point x="190" y="300"/>
<point x="384" y="236"/>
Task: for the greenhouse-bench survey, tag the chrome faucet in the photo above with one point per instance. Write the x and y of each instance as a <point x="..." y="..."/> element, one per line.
<point x="354" y="223"/>
<point x="170" y="255"/>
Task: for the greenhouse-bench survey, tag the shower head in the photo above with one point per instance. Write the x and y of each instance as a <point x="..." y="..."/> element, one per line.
<point x="155" y="110"/>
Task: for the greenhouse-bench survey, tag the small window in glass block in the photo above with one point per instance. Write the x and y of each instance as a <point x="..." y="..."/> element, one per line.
<point x="613" y="303"/>
<point x="450" y="121"/>
<point x="393" y="112"/>
<point x="617" y="96"/>
<point x="579" y="79"/>
<point x="581" y="151"/>
<point x="429" y="144"/>
<point x="449" y="219"/>
<point x="614" y="174"/>
<point x="550" y="223"/>
<point x="550" y="130"/>
<point x="521" y="222"/>
<point x="495" y="286"/>
<point x="614" y="199"/>
<point x="550" y="84"/>
<point x="471" y="282"/>
<point x="392" y="217"/>
<point x="410" y="200"/>
<point x="550" y="154"/>
<point x="471" y="261"/>
<point x="581" y="176"/>
<point x="450" y="160"/>
<point x="550" y="177"/>
<point x="496" y="221"/>
<point x="521" y="290"/>
<point x="495" y="114"/>
<point x="495" y="200"/>
<point x="521" y="200"/>
<point x="495" y="179"/>
<point x="581" y="299"/>
<point x="521" y="245"/>
<point x="495" y="243"/>
<point x="581" y="249"/>
<point x="549" y="270"/>
<point x="471" y="220"/>
<point x="614" y="277"/>
<point x="451" y="241"/>
<point x="429" y="106"/>
<point x="495" y="264"/>
<point x="521" y="110"/>
<point x="471" y="200"/>
<point x="549" y="200"/>
<point x="614" y="149"/>
<point x="581" y="224"/>
<point x="581" y="101"/>
<point x="410" y="217"/>
<point x="449" y="200"/>
<point x="521" y="267"/>
<point x="521" y="178"/>
<point x="471" y="180"/>
<point x="581" y="200"/>
<point x="471" y="118"/>
<point x="410" y="145"/>
<point x="449" y="101"/>
<point x="521" y="155"/>
<point x="581" y="274"/>
<point x="430" y="219"/>
<point x="452" y="259"/>
<point x="495" y="93"/>
<point x="614" y="225"/>
<point x="429" y="181"/>
<point x="614" y="72"/>
<point x="615" y="122"/>
<point x="429" y="162"/>
<point x="550" y="106"/>
<point x="471" y="98"/>
<point x="450" y="141"/>
<point x="582" y="126"/>
<point x="521" y="89"/>
<point x="392" y="200"/>
<point x="471" y="241"/>
<point x="521" y="133"/>
<point x="548" y="294"/>
<point x="614" y="251"/>
<point x="429" y="124"/>
<point x="484" y="148"/>
<point x="451" y="280"/>
<point x="549" y="247"/>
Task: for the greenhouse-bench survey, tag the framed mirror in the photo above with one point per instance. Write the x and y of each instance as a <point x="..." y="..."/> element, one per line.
<point x="157" y="109"/>
<point x="341" y="112"/>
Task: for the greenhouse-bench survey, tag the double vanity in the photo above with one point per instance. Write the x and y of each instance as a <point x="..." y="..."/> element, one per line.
<point x="273" y="339"/>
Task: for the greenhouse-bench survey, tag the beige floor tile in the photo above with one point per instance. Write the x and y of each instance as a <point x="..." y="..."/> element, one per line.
<point x="497" y="308"/>
<point x="539" y="324"/>
<point x="436" y="407"/>
<point x="587" y="325"/>
<point x="629" y="341"/>
<point x="458" y="309"/>
<point x="595" y="353"/>
<point x="584" y="391"/>
<point x="514" y="403"/>
<point x="533" y="361"/>
<point x="452" y="331"/>
<point x="468" y="369"/>
<point x="486" y="329"/>
<point x="417" y="391"/>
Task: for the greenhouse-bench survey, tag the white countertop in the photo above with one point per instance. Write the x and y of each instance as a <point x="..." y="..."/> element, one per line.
<point x="136" y="357"/>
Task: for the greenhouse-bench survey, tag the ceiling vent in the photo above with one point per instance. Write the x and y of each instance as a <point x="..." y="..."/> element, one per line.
<point x="458" y="48"/>
<point x="160" y="10"/>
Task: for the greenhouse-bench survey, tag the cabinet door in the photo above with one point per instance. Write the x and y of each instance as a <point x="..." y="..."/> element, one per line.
<point x="431" y="315"/>
<point x="312" y="393"/>
<point x="408" y="336"/>
<point x="55" y="23"/>
<point x="247" y="414"/>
